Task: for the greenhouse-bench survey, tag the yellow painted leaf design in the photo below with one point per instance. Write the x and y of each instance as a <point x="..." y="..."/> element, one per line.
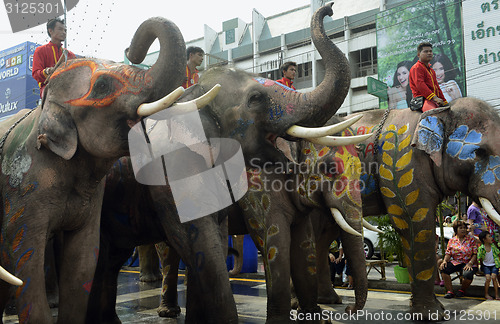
<point x="272" y="230"/>
<point x="254" y="223"/>
<point x="261" y="241"/>
<point x="405" y="243"/>
<point x="412" y="197"/>
<point x="312" y="270"/>
<point x="406" y="179"/>
<point x="395" y="210"/>
<point x="407" y="260"/>
<point x="423" y="236"/>
<point x="425" y="275"/>
<point x="391" y="127"/>
<point x="387" y="159"/>
<point x="404" y="143"/>
<point x="266" y="202"/>
<point x="385" y="173"/>
<point x="389" y="135"/>
<point x="387" y="192"/>
<point x="404" y="160"/>
<point x="402" y="130"/>
<point x="420" y="215"/>
<point x="423" y="255"/>
<point x="311" y="257"/>
<point x="400" y="223"/>
<point x="388" y="146"/>
<point x="271" y="253"/>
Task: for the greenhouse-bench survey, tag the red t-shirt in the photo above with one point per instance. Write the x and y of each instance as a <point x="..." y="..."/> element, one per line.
<point x="423" y="82"/>
<point x="46" y="56"/>
<point x="192" y="77"/>
<point x="287" y="82"/>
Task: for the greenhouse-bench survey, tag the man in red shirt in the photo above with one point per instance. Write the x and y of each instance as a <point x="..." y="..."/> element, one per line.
<point x="46" y="56"/>
<point x="194" y="59"/>
<point x="423" y="81"/>
<point x="288" y="69"/>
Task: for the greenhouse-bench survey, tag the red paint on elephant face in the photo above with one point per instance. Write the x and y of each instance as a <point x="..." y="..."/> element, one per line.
<point x="108" y="82"/>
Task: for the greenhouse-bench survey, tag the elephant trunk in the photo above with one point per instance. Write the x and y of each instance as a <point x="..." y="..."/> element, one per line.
<point x="168" y="71"/>
<point x="316" y="107"/>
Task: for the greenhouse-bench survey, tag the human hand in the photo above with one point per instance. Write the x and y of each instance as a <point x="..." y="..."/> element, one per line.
<point x="468" y="267"/>
<point x="438" y="100"/>
<point x="49" y="70"/>
<point x="442" y="265"/>
<point x="332" y="257"/>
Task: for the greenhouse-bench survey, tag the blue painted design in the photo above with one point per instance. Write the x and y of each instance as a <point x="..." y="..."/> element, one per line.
<point x="369" y="184"/>
<point x="430" y="134"/>
<point x="497" y="173"/>
<point x="260" y="80"/>
<point x="193" y="233"/>
<point x="488" y="177"/>
<point x="462" y="143"/>
<point x="275" y="112"/>
<point x="285" y="87"/>
<point x="494" y="162"/>
<point x="241" y="128"/>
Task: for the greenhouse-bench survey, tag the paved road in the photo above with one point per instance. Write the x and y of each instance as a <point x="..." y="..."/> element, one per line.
<point x="137" y="303"/>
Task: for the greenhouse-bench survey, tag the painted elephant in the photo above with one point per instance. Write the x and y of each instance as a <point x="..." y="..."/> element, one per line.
<point x="417" y="160"/>
<point x="276" y="210"/>
<point x="254" y="112"/>
<point x="54" y="160"/>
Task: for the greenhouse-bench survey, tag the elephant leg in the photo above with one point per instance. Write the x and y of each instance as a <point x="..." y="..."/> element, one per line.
<point x="238" y="260"/>
<point x="170" y="265"/>
<point x="326" y="293"/>
<point x="303" y="265"/>
<point x="150" y="266"/>
<point x="52" y="255"/>
<point x="4" y="296"/>
<point x="80" y="253"/>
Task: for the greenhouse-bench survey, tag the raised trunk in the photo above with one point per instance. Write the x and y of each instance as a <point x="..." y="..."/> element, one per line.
<point x="168" y="71"/>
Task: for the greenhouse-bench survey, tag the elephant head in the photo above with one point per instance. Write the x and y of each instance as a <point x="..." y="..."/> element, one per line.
<point x="94" y="102"/>
<point x="462" y="143"/>
<point x="255" y="111"/>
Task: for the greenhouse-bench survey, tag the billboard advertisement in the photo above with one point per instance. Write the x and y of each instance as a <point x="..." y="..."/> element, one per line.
<point x="18" y="89"/>
<point x="482" y="49"/>
<point x="401" y="29"/>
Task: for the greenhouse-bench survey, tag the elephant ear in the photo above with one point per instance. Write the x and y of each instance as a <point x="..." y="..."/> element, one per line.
<point x="429" y="133"/>
<point x="57" y="131"/>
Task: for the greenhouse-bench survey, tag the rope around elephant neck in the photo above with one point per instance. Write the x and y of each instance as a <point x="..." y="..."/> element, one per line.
<point x="4" y="138"/>
<point x="379" y="131"/>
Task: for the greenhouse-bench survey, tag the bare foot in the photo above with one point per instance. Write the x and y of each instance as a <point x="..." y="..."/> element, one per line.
<point x="497" y="298"/>
<point x="488" y="297"/>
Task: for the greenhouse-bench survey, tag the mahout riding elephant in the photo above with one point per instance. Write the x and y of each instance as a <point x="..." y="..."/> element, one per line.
<point x="416" y="161"/>
<point x="54" y="160"/>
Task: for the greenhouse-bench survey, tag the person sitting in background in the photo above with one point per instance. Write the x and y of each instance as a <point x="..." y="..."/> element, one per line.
<point x="445" y="75"/>
<point x="461" y="254"/>
<point x="400" y="93"/>
<point x="475" y="220"/>
<point x="336" y="260"/>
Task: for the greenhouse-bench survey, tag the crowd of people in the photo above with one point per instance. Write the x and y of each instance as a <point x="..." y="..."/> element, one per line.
<point x="473" y="250"/>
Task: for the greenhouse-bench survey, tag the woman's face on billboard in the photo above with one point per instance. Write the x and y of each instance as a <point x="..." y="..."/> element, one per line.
<point x="403" y="76"/>
<point x="439" y="69"/>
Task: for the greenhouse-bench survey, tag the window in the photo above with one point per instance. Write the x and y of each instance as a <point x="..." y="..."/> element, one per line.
<point x="364" y="62"/>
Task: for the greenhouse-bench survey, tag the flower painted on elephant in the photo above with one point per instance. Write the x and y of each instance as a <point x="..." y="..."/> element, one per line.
<point x="18" y="239"/>
<point x="489" y="173"/>
<point x="265" y="82"/>
<point x="254" y="177"/>
<point x="87" y="286"/>
<point x="25" y="312"/>
<point x="107" y="83"/>
<point x="462" y="143"/>
<point x="241" y="128"/>
<point x="16" y="165"/>
<point x="23" y="259"/>
<point x="430" y="134"/>
<point x="368" y="184"/>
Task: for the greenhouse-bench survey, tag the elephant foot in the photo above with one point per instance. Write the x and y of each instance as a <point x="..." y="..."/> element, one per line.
<point x="313" y="315"/>
<point x="168" y="311"/>
<point x="431" y="311"/>
<point x="294" y="303"/>
<point x="150" y="276"/>
<point x="53" y="299"/>
<point x="329" y="298"/>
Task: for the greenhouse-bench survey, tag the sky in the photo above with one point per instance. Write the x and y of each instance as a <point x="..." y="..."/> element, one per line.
<point x="103" y="29"/>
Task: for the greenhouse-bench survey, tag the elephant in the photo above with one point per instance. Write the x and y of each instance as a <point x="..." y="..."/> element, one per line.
<point x="414" y="161"/>
<point x="54" y="160"/>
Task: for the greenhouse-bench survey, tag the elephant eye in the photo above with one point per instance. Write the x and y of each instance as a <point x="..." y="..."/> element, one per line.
<point x="255" y="99"/>
<point x="103" y="87"/>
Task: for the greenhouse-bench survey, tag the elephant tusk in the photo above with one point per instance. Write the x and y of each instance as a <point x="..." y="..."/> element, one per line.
<point x="488" y="207"/>
<point x="342" y="222"/>
<point x="339" y="140"/>
<point x="310" y="132"/>
<point x="147" y="109"/>
<point x="371" y="227"/>
<point x="5" y="275"/>
<point x="195" y="104"/>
